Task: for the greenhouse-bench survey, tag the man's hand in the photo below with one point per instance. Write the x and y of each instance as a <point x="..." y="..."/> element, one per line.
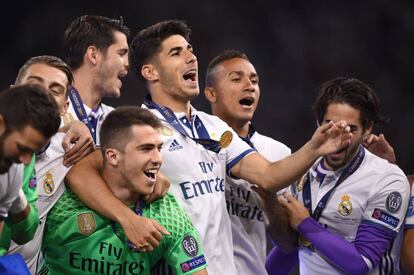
<point x="379" y="146"/>
<point x="296" y="211"/>
<point x="278" y="220"/>
<point x="145" y="234"/>
<point x="331" y="137"/>
<point x="79" y="135"/>
<point x="160" y="189"/>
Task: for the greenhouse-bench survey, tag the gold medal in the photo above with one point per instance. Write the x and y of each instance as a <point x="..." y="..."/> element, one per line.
<point x="165" y="131"/>
<point x="67" y="118"/>
<point x="303" y="241"/>
<point x="226" y="139"/>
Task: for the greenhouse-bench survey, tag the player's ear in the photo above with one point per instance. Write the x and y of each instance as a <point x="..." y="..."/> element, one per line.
<point x="149" y="72"/>
<point x="2" y="125"/>
<point x="112" y="156"/>
<point x="92" y="54"/>
<point x="210" y="94"/>
<point x="368" y="130"/>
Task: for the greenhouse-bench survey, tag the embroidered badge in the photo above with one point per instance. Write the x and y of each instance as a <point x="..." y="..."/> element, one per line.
<point x="394" y="201"/>
<point x="385" y="217"/>
<point x="86" y="223"/>
<point x="193" y="264"/>
<point x="190" y="246"/>
<point x="345" y="206"/>
<point x="48" y="184"/>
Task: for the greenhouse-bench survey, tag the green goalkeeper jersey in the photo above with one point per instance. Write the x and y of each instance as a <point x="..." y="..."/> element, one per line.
<point x="78" y="240"/>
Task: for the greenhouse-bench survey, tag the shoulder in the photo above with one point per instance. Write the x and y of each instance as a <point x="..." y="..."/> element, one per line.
<point x="375" y="165"/>
<point x="269" y="146"/>
<point x="169" y="213"/>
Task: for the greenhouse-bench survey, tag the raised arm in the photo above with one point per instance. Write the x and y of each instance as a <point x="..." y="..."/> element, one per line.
<point x="274" y="176"/>
<point x="86" y="182"/>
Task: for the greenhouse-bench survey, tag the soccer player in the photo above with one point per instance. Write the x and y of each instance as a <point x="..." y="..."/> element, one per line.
<point x="96" y="50"/>
<point x="199" y="148"/>
<point x="350" y="205"/>
<point x="232" y="88"/>
<point x="79" y="240"/>
<point x="21" y="134"/>
<point x="55" y="76"/>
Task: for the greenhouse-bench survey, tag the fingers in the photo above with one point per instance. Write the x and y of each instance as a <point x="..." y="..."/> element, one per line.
<point x="161" y="229"/>
<point x="325" y="127"/>
<point x="78" y="151"/>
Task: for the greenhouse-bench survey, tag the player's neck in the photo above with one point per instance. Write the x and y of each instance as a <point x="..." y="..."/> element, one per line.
<point x="240" y="127"/>
<point x="83" y="84"/>
<point x="116" y="183"/>
<point x="177" y="106"/>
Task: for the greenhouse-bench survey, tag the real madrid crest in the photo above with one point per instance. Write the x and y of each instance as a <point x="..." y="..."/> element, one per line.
<point x="48" y="184"/>
<point x="166" y="131"/>
<point x="345" y="206"/>
<point x="226" y="139"/>
<point x="86" y="223"/>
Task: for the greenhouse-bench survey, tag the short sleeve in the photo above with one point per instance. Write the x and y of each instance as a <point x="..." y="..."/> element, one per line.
<point x="183" y="249"/>
<point x="409" y="219"/>
<point x="11" y="183"/>
<point x="388" y="203"/>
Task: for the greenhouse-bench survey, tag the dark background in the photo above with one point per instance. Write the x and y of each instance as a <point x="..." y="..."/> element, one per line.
<point x="294" y="46"/>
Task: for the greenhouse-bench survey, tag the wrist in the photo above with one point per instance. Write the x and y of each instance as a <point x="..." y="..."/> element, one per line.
<point x="19" y="204"/>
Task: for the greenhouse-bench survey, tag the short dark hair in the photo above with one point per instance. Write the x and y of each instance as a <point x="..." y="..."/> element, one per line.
<point x="147" y="43"/>
<point x="90" y="30"/>
<point x="351" y="91"/>
<point x="29" y="105"/>
<point x="219" y="59"/>
<point x="116" y="128"/>
<point x="48" y="60"/>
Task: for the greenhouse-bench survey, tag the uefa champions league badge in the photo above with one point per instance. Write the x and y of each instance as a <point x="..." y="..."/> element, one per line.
<point x="345" y="206"/>
<point x="394" y="201"/>
<point x="166" y="131"/>
<point x="226" y="139"/>
<point x="190" y="246"/>
<point x="86" y="223"/>
<point x="48" y="184"/>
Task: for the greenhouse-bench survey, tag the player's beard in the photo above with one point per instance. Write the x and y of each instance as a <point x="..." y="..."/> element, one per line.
<point x="4" y="162"/>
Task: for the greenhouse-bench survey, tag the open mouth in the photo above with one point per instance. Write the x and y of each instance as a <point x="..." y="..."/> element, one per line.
<point x="248" y="101"/>
<point x="190" y="75"/>
<point x="151" y="174"/>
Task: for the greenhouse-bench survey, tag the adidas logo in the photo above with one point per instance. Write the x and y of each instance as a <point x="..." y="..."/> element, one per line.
<point x="174" y="146"/>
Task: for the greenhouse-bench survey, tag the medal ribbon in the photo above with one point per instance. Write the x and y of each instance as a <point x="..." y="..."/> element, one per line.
<point x="169" y="116"/>
<point x="81" y="113"/>
<point x="349" y="170"/>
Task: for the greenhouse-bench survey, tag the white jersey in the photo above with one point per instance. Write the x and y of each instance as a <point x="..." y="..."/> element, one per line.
<point x="246" y="215"/>
<point x="10" y="184"/>
<point x="50" y="174"/>
<point x="197" y="178"/>
<point x="376" y="193"/>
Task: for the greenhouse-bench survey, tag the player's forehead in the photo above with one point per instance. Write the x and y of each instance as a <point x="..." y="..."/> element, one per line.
<point x="237" y="66"/>
<point x="41" y="71"/>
